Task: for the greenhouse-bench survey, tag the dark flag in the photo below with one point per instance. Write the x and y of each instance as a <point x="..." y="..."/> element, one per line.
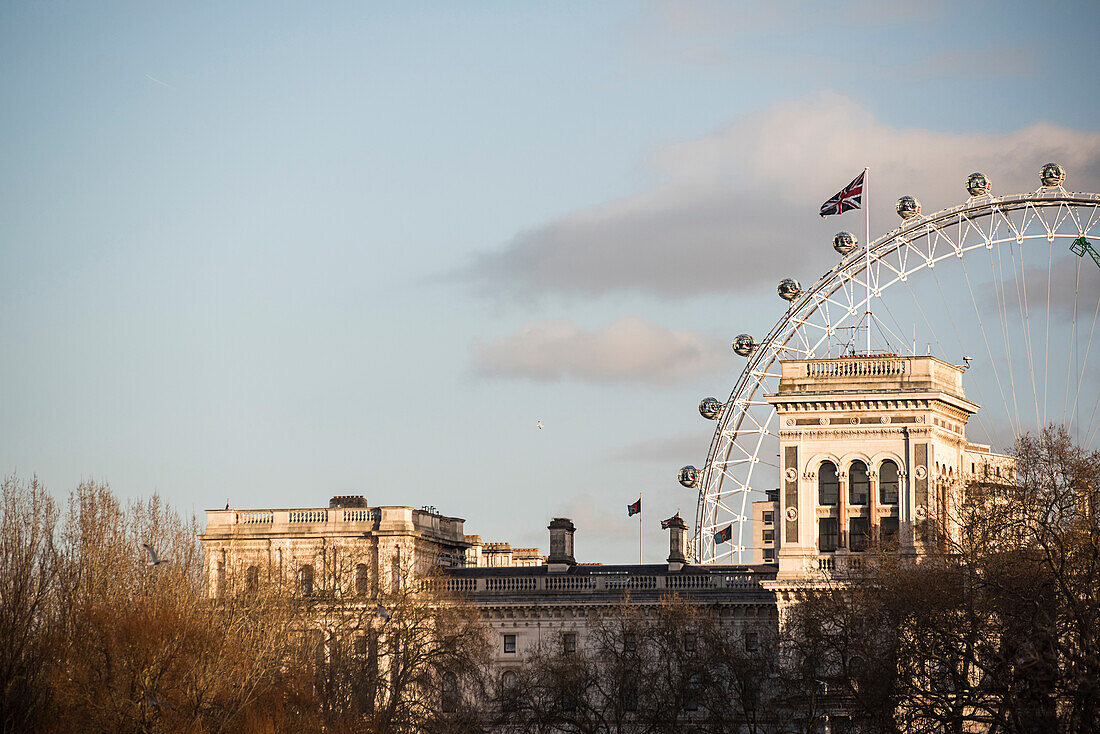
<point x="666" y="524"/>
<point x="849" y="197"/>
<point x="634" y="509"/>
<point x="724" y="535"/>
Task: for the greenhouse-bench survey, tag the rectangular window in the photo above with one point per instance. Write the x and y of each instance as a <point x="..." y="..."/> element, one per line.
<point x="768" y="516"/>
<point x="888" y="527"/>
<point x="857" y="533"/>
<point x="630" y="642"/>
<point x="826" y="534"/>
<point x="509" y="643"/>
<point x="569" y="642"/>
<point x="752" y="641"/>
<point x="630" y="696"/>
<point x="769" y="555"/>
<point x="689" y="641"/>
<point x="769" y="536"/>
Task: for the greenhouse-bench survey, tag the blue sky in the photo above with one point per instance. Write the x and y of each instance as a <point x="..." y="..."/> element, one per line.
<point x="278" y="252"/>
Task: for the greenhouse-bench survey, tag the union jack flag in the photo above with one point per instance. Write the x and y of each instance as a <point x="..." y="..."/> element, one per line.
<point x="666" y="524"/>
<point x="849" y="197"/>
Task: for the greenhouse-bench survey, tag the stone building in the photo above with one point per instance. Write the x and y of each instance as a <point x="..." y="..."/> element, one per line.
<point x="870" y="447"/>
<point x="529" y="606"/>
<point x="363" y="545"/>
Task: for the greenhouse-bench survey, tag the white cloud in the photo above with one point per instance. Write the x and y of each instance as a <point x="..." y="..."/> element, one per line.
<point x="737" y="208"/>
<point x="629" y="349"/>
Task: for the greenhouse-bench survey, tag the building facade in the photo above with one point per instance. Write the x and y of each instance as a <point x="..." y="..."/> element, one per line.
<point x="870" y="448"/>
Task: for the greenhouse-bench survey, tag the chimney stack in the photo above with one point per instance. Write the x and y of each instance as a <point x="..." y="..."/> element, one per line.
<point x="561" y="545"/>
<point x="677" y="543"/>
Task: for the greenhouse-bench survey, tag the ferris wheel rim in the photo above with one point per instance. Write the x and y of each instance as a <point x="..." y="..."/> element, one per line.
<point x="766" y="354"/>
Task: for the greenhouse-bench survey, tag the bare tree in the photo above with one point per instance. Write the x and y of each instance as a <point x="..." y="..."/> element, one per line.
<point x="28" y="608"/>
<point x="996" y="627"/>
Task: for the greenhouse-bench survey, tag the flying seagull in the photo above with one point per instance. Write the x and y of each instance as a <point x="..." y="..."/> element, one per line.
<point x="153" y="560"/>
<point x="539" y="424"/>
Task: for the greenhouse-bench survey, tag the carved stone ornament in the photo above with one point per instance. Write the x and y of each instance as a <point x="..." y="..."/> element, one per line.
<point x="809" y="475"/>
<point x="790" y="421"/>
<point x="855" y="421"/>
<point x="791" y="474"/>
<point x="921" y="472"/>
<point x="792" y="513"/>
<point x="823" y="421"/>
<point x="920" y="419"/>
<point x="885" y="419"/>
<point x="921" y="513"/>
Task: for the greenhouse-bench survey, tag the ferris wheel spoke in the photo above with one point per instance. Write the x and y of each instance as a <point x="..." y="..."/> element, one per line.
<point x="1072" y="346"/>
<point x="985" y="339"/>
<point x="998" y="284"/>
<point x="740" y="458"/>
<point x="1025" y="323"/>
<point x="1082" y="371"/>
<point x="1046" y="332"/>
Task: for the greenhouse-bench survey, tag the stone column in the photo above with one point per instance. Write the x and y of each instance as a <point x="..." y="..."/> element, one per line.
<point x="842" y="510"/>
<point x="872" y="499"/>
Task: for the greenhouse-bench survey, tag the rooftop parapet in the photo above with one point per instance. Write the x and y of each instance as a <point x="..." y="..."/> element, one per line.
<point x="331" y="520"/>
<point x="871" y="373"/>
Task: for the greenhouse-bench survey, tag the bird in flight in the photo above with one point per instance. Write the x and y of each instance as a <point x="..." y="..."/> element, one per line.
<point x="539" y="424"/>
<point x="153" y="560"/>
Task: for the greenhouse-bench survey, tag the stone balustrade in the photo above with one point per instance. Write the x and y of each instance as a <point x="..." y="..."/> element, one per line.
<point x="336" y="520"/>
<point x="483" y="585"/>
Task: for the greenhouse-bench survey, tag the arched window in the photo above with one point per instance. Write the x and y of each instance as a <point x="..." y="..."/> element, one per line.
<point x="828" y="485"/>
<point x="859" y="484"/>
<point x="252" y="580"/>
<point x="888" y="483"/>
<point x="362" y="580"/>
<point x="305" y="581"/>
<point x="449" y="693"/>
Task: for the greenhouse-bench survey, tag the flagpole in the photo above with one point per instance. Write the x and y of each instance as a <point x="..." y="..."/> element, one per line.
<point x="867" y="240"/>
<point x="639" y="528"/>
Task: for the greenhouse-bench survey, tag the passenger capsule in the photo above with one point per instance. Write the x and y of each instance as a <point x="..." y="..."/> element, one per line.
<point x="908" y="207"/>
<point x="844" y="242"/>
<point x="744" y="345"/>
<point x="710" y="408"/>
<point x="978" y="184"/>
<point x="1052" y="175"/>
<point x="789" y="289"/>
<point x="690" y="476"/>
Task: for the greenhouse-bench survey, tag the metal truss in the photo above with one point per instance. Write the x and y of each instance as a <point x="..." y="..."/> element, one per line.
<point x="994" y="245"/>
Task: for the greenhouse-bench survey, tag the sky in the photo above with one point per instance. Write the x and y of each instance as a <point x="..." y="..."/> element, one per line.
<point x="274" y="252"/>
